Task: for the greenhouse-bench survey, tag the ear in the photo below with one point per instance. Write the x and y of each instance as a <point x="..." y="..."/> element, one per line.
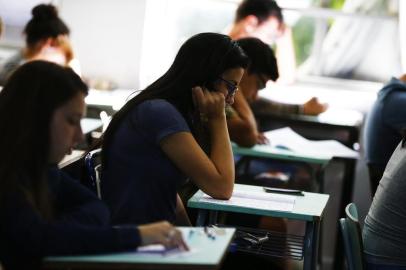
<point x="250" y="23"/>
<point x="49" y="42"/>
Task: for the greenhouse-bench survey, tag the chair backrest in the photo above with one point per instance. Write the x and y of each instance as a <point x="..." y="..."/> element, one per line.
<point x="93" y="169"/>
<point x="351" y="232"/>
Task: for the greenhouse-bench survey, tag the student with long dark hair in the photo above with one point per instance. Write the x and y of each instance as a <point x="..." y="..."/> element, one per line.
<point x="42" y="211"/>
<point x="173" y="130"/>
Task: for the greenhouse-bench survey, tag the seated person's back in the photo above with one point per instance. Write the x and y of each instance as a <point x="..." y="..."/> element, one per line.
<point x="384" y="231"/>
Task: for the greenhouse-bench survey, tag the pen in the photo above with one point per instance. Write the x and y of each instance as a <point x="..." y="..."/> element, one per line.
<point x="284" y="191"/>
<point x="209" y="233"/>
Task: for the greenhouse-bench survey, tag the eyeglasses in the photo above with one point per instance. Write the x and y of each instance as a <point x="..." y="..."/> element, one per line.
<point x="231" y="87"/>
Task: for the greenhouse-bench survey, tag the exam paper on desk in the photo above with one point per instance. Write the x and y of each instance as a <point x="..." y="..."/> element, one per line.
<point x="290" y="140"/>
<point x="256" y="200"/>
<point x="160" y="250"/>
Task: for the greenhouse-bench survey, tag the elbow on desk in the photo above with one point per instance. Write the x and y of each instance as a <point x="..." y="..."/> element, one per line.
<point x="223" y="193"/>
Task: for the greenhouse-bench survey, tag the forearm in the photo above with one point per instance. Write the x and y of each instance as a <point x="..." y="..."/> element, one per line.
<point x="90" y="213"/>
<point x="221" y="153"/>
<point x="182" y="219"/>
<point x="264" y="106"/>
<point x="79" y="205"/>
<point x="242" y="133"/>
<point x="243" y="111"/>
<point x="241" y="122"/>
<point x="33" y="236"/>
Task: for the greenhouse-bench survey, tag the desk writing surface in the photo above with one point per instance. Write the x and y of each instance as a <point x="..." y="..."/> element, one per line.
<point x="308" y="207"/>
<point x="344" y="106"/>
<point x="267" y="151"/>
<point x="205" y="253"/>
<point x="71" y="158"/>
<point x="112" y="98"/>
<point x="90" y="124"/>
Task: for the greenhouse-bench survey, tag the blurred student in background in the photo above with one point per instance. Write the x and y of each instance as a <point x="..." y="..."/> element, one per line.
<point x="173" y="130"/>
<point x="263" y="19"/>
<point x="44" y="212"/>
<point x="46" y="38"/>
<point x="261" y="69"/>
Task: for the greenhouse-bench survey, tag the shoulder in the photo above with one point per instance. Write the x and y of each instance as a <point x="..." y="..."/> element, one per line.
<point x="156" y="105"/>
<point x="393" y="87"/>
<point x="159" y="117"/>
<point x="156" y="109"/>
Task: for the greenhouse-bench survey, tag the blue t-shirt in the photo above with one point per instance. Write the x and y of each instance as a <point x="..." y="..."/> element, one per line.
<point x="384" y="123"/>
<point x="139" y="182"/>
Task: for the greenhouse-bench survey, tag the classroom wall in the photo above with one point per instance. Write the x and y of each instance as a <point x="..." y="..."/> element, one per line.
<point x="106" y="37"/>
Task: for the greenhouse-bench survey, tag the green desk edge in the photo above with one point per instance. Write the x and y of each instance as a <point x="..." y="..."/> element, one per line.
<point x="205" y="251"/>
<point x="309" y="207"/>
<point x="266" y="151"/>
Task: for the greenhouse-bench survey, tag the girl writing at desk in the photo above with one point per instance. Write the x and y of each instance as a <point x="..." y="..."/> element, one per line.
<point x="43" y="212"/>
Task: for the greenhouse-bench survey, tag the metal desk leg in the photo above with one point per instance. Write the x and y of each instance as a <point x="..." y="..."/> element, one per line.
<point x="311" y="245"/>
<point x="213" y="217"/>
<point x="201" y="217"/>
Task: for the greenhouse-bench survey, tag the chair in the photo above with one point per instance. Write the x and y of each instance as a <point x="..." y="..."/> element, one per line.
<point x="93" y="169"/>
<point x="352" y="238"/>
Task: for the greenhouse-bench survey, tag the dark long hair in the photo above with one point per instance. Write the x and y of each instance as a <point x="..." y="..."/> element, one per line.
<point x="27" y="103"/>
<point x="199" y="62"/>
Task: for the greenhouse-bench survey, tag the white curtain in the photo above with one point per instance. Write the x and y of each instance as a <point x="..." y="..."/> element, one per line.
<point x="359" y="48"/>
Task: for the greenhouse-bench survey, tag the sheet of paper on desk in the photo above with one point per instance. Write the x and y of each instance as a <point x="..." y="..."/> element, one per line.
<point x="256" y="200"/>
<point x="288" y="139"/>
<point x="160" y="250"/>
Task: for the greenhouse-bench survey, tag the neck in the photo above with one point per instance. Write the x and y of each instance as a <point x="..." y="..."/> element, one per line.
<point x="237" y="31"/>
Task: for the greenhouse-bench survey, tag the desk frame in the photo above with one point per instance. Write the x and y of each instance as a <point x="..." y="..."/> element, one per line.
<point x="305" y="125"/>
<point x="209" y="212"/>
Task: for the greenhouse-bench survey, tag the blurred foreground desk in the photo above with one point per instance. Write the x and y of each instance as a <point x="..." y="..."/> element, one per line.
<point x="308" y="208"/>
<point x="205" y="253"/>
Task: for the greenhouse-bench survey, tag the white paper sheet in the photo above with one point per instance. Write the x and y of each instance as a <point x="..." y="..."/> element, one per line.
<point x="286" y="138"/>
<point x="160" y="250"/>
<point x="256" y="200"/>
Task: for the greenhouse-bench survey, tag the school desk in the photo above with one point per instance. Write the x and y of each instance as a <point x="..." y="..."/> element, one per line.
<point x="308" y="208"/>
<point x="205" y="253"/>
